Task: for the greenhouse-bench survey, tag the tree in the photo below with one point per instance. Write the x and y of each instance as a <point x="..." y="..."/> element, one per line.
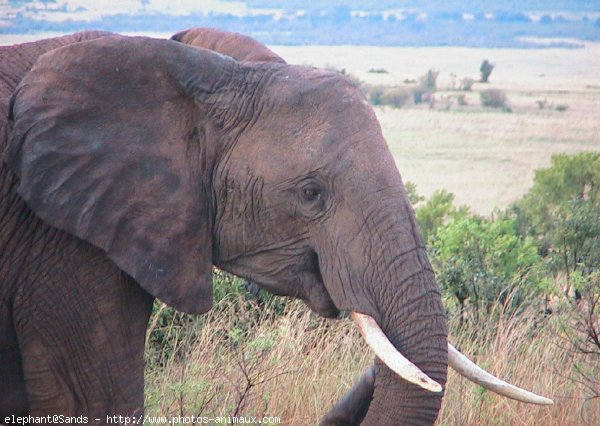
<point x="438" y="210"/>
<point x="413" y="195"/>
<point x="483" y="263"/>
<point x="562" y="212"/>
<point x="486" y="69"/>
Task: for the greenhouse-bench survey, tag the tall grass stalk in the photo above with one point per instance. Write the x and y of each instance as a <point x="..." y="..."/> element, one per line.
<point x="240" y="359"/>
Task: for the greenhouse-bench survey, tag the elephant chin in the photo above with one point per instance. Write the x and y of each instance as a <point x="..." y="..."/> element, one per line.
<point x="321" y="303"/>
<point x="324" y="308"/>
<point x="313" y="292"/>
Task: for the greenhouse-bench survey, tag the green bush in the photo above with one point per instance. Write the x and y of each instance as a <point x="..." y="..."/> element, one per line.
<point x="485" y="263"/>
<point x="428" y="81"/>
<point x="378" y="71"/>
<point x="466" y="84"/>
<point x="578" y="325"/>
<point x="562" y="212"/>
<point x="396" y="97"/>
<point x="437" y="211"/>
<point x="374" y="94"/>
<point x="413" y="195"/>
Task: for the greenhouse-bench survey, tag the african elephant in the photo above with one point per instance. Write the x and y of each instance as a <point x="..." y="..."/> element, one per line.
<point x="132" y="165"/>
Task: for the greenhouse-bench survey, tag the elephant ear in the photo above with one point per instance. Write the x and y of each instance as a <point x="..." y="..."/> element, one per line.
<point x="238" y="46"/>
<point x="109" y="144"/>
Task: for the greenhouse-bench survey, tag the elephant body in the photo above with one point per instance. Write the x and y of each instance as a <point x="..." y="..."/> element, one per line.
<point x="73" y="324"/>
<point x="131" y="166"/>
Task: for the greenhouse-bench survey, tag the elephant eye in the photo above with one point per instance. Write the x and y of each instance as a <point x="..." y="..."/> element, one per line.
<point x="311" y="193"/>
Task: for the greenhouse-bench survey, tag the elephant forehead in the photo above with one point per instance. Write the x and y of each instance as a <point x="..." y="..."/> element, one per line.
<point x="359" y="162"/>
<point x="311" y="120"/>
<point x="318" y="117"/>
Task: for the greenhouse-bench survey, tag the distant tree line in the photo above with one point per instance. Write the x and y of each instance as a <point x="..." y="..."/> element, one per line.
<point x="339" y="25"/>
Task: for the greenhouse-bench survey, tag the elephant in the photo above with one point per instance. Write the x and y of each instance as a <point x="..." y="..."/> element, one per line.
<point x="131" y="166"/>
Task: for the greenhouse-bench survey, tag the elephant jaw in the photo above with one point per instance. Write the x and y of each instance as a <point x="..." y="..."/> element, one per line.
<point x="383" y="348"/>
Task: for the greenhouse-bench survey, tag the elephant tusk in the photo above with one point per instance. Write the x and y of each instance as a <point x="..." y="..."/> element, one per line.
<point x="383" y="348"/>
<point x="467" y="368"/>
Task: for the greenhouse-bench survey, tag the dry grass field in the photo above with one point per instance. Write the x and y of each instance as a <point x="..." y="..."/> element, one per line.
<point x="295" y="366"/>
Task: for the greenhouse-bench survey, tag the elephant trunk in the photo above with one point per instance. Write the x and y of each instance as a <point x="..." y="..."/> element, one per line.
<point x="415" y="325"/>
<point x="401" y="298"/>
<point x="386" y="275"/>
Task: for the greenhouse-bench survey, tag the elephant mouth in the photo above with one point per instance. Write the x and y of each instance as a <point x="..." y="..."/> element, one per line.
<point x="324" y="308"/>
<point x="316" y="296"/>
<point x="302" y="281"/>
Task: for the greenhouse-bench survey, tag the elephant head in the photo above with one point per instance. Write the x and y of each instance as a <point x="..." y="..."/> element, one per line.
<point x="172" y="159"/>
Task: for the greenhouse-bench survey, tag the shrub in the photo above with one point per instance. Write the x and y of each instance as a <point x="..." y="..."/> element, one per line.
<point x="428" y="81"/>
<point x="578" y="327"/>
<point x="561" y="211"/>
<point x="561" y="107"/>
<point x="466" y="84"/>
<point x="486" y="69"/>
<point x="413" y="195"/>
<point x="437" y="211"/>
<point x="420" y="95"/>
<point x="374" y="94"/>
<point x="397" y="97"/>
<point x="485" y="263"/>
<point x="378" y="71"/>
<point x="493" y="98"/>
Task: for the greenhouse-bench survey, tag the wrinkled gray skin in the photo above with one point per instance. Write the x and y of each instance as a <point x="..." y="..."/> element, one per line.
<point x="122" y="181"/>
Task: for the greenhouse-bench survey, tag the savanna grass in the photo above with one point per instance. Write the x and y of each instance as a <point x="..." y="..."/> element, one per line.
<point x="242" y="359"/>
